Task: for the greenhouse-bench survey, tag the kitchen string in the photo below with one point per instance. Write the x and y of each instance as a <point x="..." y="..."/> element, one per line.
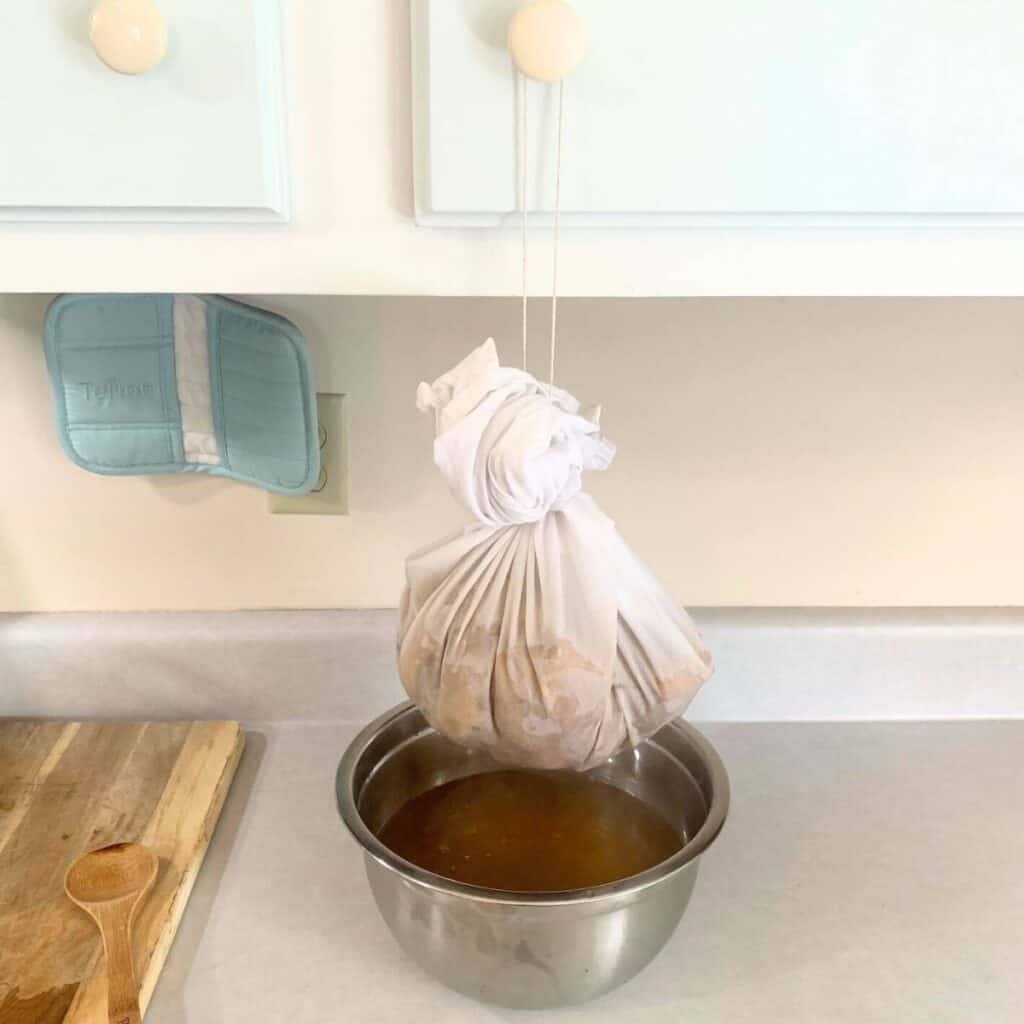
<point x="524" y="201"/>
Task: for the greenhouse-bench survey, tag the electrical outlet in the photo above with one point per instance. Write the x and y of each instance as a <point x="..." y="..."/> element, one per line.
<point x="329" y="496"/>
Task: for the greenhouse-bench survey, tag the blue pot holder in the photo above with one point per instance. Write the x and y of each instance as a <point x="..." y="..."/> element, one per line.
<point x="183" y="384"/>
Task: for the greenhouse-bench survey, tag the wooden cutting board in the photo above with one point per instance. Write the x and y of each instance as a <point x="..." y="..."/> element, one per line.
<point x="68" y="787"/>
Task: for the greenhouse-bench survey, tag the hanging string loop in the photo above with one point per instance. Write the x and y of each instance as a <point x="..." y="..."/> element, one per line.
<point x="524" y="201"/>
<point x="524" y="145"/>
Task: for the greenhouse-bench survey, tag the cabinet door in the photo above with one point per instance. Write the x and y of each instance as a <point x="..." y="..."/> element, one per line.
<point x="793" y="112"/>
<point x="198" y="138"/>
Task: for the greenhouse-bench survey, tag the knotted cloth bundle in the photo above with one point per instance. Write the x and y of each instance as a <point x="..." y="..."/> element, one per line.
<point x="536" y="634"/>
<point x="182" y="383"/>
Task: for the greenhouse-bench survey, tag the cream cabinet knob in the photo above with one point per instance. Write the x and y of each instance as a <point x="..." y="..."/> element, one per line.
<point x="128" y="35"/>
<point x="546" y="39"/>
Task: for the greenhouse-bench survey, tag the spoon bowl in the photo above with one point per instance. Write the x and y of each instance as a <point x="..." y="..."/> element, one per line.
<point x="110" y="873"/>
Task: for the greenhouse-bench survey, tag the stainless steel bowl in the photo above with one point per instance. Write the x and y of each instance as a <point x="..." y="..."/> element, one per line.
<point x="529" y="949"/>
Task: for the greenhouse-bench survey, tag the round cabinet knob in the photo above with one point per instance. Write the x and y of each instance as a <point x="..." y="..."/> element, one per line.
<point x="128" y="35"/>
<point x="546" y="39"/>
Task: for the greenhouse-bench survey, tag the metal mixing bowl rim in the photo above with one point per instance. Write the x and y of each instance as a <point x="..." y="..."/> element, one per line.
<point x="705" y="835"/>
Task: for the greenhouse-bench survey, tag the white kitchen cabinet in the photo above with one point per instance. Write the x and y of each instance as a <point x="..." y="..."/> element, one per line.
<point x="199" y="137"/>
<point x="881" y="113"/>
<point x="353" y="229"/>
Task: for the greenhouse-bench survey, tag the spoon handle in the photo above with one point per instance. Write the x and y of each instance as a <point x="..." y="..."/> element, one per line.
<point x="122" y="991"/>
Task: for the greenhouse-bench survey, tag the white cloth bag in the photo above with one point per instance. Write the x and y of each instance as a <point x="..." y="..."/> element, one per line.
<point x="535" y="634"/>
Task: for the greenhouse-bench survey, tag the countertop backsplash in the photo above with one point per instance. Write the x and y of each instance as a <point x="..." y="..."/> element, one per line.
<point x="277" y="666"/>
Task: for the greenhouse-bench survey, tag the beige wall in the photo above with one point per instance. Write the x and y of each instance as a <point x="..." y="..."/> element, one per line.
<point x="771" y="452"/>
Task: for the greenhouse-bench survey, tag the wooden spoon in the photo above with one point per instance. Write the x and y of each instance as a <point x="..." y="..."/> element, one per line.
<point x="108" y="884"/>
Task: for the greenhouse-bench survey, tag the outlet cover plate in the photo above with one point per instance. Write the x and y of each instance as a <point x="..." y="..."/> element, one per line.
<point x="329" y="496"/>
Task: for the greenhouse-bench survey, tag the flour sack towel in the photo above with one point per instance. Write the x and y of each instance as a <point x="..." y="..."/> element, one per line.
<point x="536" y="634"/>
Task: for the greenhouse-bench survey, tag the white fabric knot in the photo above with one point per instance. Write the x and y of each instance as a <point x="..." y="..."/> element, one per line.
<point x="510" y="447"/>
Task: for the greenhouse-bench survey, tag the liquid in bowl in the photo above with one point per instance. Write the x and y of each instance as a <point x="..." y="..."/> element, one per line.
<point x="530" y="831"/>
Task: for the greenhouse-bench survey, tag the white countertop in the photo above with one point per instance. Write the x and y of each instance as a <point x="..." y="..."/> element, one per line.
<point x="867" y="872"/>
